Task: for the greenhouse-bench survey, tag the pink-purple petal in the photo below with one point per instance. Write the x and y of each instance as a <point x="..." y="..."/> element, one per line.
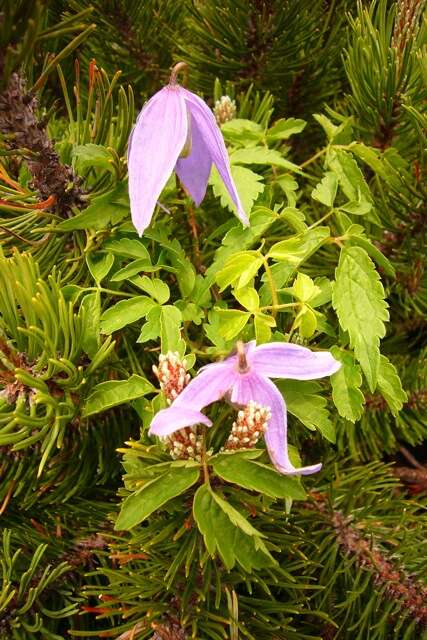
<point x="205" y="122"/>
<point x="194" y="171"/>
<point x="286" y="360"/>
<point x="208" y="386"/>
<point x="173" y="418"/>
<point x="157" y="140"/>
<point x="255" y="387"/>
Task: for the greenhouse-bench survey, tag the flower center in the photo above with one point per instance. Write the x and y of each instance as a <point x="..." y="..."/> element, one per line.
<point x="242" y="362"/>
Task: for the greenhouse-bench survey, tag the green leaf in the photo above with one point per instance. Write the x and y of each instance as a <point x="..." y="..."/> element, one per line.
<point x="358" y="299"/>
<point x="262" y="155"/>
<point x="248" y="297"/>
<point x="390" y="386"/>
<point x="99" y="264"/>
<point x="326" y="190"/>
<point x="242" y="131"/>
<point x="296" y="249"/>
<point x="239" y="269"/>
<point x="346" y="383"/>
<point x="356" y="207"/>
<point x="92" y="155"/>
<point x="306" y="321"/>
<point x="225" y="530"/>
<point x="304" y="402"/>
<point x="127" y="248"/>
<point x="263" y="324"/>
<point x="111" y="207"/>
<point x="170" y="328"/>
<point x="132" y="269"/>
<point x="249" y="186"/>
<point x="349" y="176"/>
<point x="338" y="134"/>
<point x="231" y="322"/>
<point x="375" y="253"/>
<point x="295" y="219"/>
<point x="125" y="312"/>
<point x="255" y="476"/>
<point x="155" y="288"/>
<point x="91" y="304"/>
<point x="151" y="329"/>
<point x="110" y="394"/>
<point x="285" y="128"/>
<point x="304" y="288"/>
<point x="155" y="494"/>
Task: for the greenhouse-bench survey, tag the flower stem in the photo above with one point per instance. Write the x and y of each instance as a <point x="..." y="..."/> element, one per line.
<point x="180" y="66"/>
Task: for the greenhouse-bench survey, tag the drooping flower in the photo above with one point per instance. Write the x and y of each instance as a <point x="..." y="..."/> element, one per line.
<point x="175" y="130"/>
<point x="245" y="377"/>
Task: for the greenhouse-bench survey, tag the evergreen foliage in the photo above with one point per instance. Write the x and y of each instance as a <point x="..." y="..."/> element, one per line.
<point x="105" y="533"/>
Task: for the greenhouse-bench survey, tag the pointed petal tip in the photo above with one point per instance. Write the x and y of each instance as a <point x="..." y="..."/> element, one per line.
<point x="166" y="421"/>
<point x="301" y="471"/>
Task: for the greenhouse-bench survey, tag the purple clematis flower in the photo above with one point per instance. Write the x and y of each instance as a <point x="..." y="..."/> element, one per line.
<point x="175" y="130"/>
<point x="243" y="377"/>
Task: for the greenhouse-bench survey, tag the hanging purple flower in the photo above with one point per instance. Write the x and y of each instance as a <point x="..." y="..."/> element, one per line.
<point x="245" y="377"/>
<point x="175" y="130"/>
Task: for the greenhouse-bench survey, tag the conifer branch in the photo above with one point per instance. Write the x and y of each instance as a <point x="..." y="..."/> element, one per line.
<point x="22" y="130"/>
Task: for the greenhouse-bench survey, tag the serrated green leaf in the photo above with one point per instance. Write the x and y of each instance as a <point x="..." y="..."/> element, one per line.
<point x="326" y="190"/>
<point x="390" y="386"/>
<point x="155" y="494"/>
<point x="358" y="298"/>
<point x="125" y="312"/>
<point x="349" y="175"/>
<point x="375" y="253"/>
<point x="110" y="394"/>
<point x="346" y="383"/>
<point x="255" y="476"/>
<point x="304" y="402"/>
<point x="249" y="186"/>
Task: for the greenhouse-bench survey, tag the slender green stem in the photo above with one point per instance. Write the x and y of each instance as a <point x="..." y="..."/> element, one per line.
<point x="272" y="284"/>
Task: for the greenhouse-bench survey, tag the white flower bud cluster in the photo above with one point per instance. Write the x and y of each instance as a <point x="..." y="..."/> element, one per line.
<point x="185" y="444"/>
<point x="224" y="109"/>
<point x="172" y="375"/>
<point x="251" y="423"/>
